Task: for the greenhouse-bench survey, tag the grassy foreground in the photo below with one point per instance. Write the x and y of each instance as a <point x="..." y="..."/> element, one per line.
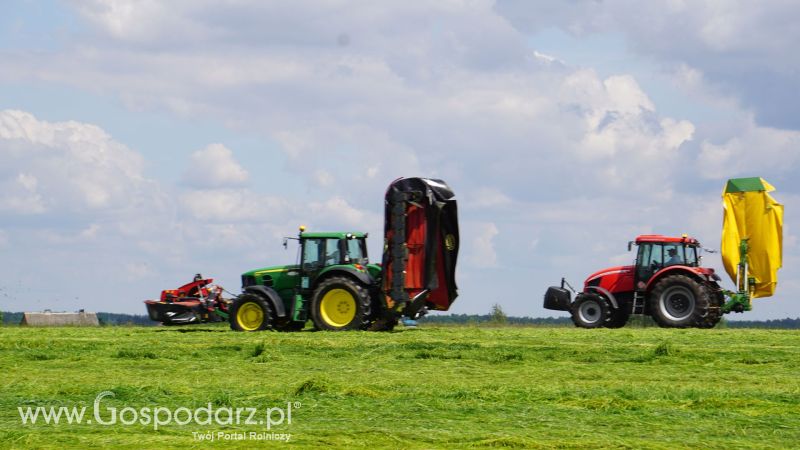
<point x="426" y="388"/>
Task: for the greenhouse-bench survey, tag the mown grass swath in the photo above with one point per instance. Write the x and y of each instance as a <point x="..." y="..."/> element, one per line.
<point x="454" y="386"/>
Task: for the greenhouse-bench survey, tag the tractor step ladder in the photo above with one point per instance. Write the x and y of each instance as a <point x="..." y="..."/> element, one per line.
<point x="300" y="308"/>
<point x="638" y="303"/>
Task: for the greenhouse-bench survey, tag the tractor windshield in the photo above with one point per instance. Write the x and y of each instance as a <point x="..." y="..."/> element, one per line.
<point x="654" y="256"/>
<point x="690" y="256"/>
<point x="318" y="253"/>
<point x="357" y="251"/>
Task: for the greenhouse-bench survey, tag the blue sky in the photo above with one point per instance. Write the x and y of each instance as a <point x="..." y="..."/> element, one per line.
<point x="141" y="142"/>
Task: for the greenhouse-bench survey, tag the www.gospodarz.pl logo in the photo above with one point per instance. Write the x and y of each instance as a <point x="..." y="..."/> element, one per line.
<point x="158" y="416"/>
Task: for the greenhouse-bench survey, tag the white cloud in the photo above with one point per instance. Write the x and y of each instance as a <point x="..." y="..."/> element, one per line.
<point x="214" y="167"/>
<point x="324" y="178"/>
<point x="340" y="212"/>
<point x="20" y="195"/>
<point x="488" y="197"/>
<point x="91" y="231"/>
<point x="754" y="150"/>
<point x="65" y="166"/>
<point x="231" y="205"/>
<point x="745" y="50"/>
<point x="480" y="251"/>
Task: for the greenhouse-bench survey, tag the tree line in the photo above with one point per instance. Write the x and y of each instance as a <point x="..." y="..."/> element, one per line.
<point x="495" y="317"/>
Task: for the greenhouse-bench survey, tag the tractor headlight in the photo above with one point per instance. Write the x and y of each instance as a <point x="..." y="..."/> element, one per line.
<point x="248" y="280"/>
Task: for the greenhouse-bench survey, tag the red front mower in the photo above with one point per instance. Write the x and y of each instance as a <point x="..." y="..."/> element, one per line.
<point x="196" y="302"/>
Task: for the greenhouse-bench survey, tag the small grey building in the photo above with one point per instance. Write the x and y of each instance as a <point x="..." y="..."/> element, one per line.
<point x="48" y="318"/>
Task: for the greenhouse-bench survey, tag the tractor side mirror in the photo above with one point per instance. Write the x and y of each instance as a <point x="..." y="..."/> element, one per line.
<point x="285" y="243"/>
<point x="630" y="245"/>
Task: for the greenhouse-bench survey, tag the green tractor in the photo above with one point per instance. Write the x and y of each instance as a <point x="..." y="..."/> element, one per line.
<point x="334" y="285"/>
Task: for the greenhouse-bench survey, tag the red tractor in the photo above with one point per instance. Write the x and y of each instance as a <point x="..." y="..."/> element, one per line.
<point x="667" y="283"/>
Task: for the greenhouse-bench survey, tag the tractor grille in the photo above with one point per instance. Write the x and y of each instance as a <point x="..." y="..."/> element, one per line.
<point x="248" y="280"/>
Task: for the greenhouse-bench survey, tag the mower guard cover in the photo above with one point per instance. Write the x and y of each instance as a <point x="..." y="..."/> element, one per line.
<point x="420" y="246"/>
<point x="751" y="213"/>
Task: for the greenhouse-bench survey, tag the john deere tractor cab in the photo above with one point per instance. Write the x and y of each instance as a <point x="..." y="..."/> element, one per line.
<point x="333" y="283"/>
<point x="667" y="281"/>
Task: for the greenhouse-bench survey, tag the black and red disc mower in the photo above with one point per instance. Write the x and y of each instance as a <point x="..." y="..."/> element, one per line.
<point x="196" y="302"/>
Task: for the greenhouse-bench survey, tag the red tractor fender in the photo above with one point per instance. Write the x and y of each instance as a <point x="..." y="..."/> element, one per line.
<point x="605" y="292"/>
<point x="700" y="273"/>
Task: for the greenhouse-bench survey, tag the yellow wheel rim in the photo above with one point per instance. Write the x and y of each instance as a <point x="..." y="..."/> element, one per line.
<point x="338" y="308"/>
<point x="250" y="316"/>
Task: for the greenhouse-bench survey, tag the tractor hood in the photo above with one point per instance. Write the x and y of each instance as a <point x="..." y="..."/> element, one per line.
<point x="271" y="269"/>
<point x="616" y="270"/>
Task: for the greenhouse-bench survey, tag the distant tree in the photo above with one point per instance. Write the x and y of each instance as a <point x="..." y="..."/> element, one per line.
<point x="497" y="315"/>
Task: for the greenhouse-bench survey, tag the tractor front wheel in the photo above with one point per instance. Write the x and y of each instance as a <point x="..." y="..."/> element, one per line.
<point x="340" y="303"/>
<point x="250" y="312"/>
<point x="589" y="311"/>
<point x="619" y="317"/>
<point x="679" y="301"/>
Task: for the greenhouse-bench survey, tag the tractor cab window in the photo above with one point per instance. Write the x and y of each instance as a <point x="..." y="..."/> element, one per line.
<point x="313" y="253"/>
<point x="673" y="255"/>
<point x="690" y="256"/>
<point x="356" y="251"/>
<point x="654" y="256"/>
<point x="333" y="255"/>
<point x="649" y="260"/>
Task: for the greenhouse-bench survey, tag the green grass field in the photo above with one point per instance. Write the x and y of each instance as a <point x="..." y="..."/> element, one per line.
<point x="431" y="387"/>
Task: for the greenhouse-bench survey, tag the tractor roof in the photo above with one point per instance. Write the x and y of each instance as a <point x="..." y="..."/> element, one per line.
<point x="666" y="239"/>
<point x="331" y="234"/>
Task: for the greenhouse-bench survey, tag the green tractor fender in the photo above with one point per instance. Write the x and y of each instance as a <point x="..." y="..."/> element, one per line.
<point x="272" y="297"/>
<point x="362" y="277"/>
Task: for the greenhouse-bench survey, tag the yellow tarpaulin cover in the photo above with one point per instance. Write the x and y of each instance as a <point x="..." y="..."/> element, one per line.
<point x="751" y="213"/>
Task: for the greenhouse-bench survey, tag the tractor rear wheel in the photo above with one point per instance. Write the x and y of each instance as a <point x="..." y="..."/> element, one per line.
<point x="679" y="301"/>
<point x="619" y="317"/>
<point x="589" y="311"/>
<point x="340" y="303"/>
<point x="383" y="324"/>
<point x="250" y="312"/>
<point x="714" y="314"/>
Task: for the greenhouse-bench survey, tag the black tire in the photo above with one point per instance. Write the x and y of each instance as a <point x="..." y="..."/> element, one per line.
<point x="679" y="301"/>
<point x="590" y="311"/>
<point x="250" y="312"/>
<point x="386" y="324"/>
<point x="715" y="310"/>
<point x="340" y="303"/>
<point x="618" y="317"/>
